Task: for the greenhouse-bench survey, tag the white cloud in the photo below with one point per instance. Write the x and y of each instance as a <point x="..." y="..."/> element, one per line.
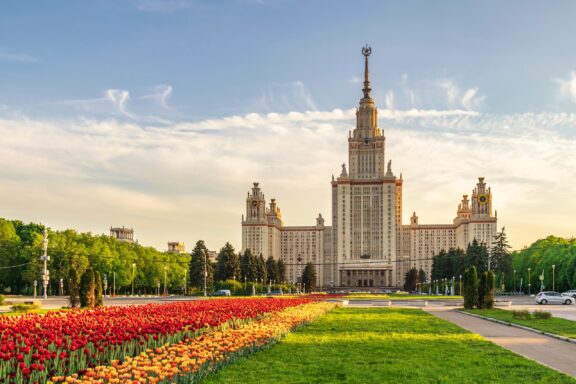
<point x="568" y="87"/>
<point x="17" y="57"/>
<point x="470" y="99"/>
<point x="389" y="100"/>
<point x="188" y="180"/>
<point x="119" y="98"/>
<point x="162" y="94"/>
<point x="292" y="96"/>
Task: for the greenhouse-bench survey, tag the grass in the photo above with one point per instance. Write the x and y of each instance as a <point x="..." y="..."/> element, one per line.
<point x="380" y="345"/>
<point x="393" y="297"/>
<point x="556" y="325"/>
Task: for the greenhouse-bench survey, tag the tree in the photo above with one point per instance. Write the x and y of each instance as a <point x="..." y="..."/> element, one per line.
<point x="421" y="276"/>
<point x="411" y="280"/>
<point x="500" y="258"/>
<point x="226" y="265"/>
<point x="74" y="288"/>
<point x="98" y="298"/>
<point x="261" y="268"/>
<point x="470" y="288"/>
<point x="198" y="264"/>
<point x="477" y="256"/>
<point x="309" y="278"/>
<point x="482" y="287"/>
<point x="272" y="269"/>
<point x="488" y="284"/>
<point x="87" y="289"/>
<point x="281" y="271"/>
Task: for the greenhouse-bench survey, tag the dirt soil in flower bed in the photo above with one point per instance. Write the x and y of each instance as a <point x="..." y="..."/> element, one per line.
<point x="36" y="347"/>
<point x="385" y="345"/>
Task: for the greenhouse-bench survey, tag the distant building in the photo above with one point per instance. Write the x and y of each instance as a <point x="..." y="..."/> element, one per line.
<point x="123" y="234"/>
<point x="367" y="245"/>
<point x="176" y="247"/>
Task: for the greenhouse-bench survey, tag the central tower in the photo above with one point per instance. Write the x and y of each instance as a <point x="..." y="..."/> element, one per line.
<point x="366" y="205"/>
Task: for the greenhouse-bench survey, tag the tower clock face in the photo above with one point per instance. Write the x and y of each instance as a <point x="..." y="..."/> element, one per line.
<point x="254" y="203"/>
<point x="482" y="199"/>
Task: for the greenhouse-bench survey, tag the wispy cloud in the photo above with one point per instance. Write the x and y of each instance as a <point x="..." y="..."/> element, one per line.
<point x="187" y="180"/>
<point x="18" y="57"/>
<point x="292" y="96"/>
<point x="161" y="94"/>
<point x="163" y="6"/>
<point x="568" y="87"/>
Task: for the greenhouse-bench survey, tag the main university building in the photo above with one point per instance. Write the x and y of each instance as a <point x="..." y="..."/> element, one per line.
<point x="367" y="244"/>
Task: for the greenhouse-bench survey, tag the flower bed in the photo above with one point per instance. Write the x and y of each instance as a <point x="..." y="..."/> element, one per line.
<point x="191" y="359"/>
<point x="36" y="347"/>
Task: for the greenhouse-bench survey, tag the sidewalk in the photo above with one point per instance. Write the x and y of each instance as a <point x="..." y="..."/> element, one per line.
<point x="548" y="351"/>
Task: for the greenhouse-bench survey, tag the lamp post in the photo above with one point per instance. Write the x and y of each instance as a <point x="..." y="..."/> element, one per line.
<point x="553" y="277"/>
<point x="105" y="285"/>
<point x="514" y="281"/>
<point x="529" y="282"/>
<point x="114" y="283"/>
<point x="299" y="259"/>
<point x="35" y="284"/>
<point x="45" y="258"/>
<point x="165" y="276"/>
<point x="61" y="287"/>
<point x="205" y="271"/>
<point x="158" y="287"/>
<point x="460" y="285"/>
<point x="133" y="267"/>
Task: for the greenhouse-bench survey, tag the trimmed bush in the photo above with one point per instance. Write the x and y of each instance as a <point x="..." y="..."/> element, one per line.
<point x="24" y="307"/>
<point x="540" y="315"/>
<point x="87" y="289"/>
<point x="98" y="298"/>
<point x="523" y="314"/>
<point x="470" y="288"/>
<point x="2" y="299"/>
<point x="489" y="290"/>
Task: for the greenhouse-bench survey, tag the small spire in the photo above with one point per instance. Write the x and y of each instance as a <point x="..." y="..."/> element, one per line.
<point x="366" y="51"/>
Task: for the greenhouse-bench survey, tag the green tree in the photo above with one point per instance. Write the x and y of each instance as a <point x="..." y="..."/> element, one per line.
<point x="227" y="264"/>
<point x="281" y="271"/>
<point x="422" y="276"/>
<point x="272" y="270"/>
<point x="87" y="289"/>
<point x="488" y="290"/>
<point x="500" y="256"/>
<point x="74" y="289"/>
<point x="98" y="297"/>
<point x="198" y="260"/>
<point x="411" y="280"/>
<point x="482" y="287"/>
<point x="261" y="268"/>
<point x="477" y="256"/>
<point x="470" y="288"/>
<point x="309" y="278"/>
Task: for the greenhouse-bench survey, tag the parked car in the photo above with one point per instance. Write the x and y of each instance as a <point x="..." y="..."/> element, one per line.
<point x="222" y="292"/>
<point x="549" y="297"/>
<point x="571" y="293"/>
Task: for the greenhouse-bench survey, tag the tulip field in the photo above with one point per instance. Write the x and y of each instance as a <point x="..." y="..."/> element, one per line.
<point x="154" y="343"/>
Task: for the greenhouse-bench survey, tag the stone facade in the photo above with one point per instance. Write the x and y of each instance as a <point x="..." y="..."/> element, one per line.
<point x="367" y="245"/>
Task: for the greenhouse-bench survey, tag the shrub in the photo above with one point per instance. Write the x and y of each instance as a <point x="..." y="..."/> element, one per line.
<point x="87" y="289"/>
<point x="489" y="290"/>
<point x="2" y="299"/>
<point x="74" y="288"/>
<point x="235" y="287"/>
<point x="470" y="288"/>
<point x="98" y="298"/>
<point x="24" y="307"/>
<point x="523" y="314"/>
<point x="542" y="315"/>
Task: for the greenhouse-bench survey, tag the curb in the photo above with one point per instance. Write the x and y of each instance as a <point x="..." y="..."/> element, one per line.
<point x="502" y="322"/>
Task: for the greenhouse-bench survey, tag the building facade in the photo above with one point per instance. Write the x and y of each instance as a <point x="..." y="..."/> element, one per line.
<point x="367" y="244"/>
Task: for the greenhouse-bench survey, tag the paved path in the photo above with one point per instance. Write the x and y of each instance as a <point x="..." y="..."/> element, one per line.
<point x="548" y="351"/>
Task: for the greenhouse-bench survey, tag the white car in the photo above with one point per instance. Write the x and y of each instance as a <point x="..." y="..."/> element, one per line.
<point x="571" y="293"/>
<point x="549" y="297"/>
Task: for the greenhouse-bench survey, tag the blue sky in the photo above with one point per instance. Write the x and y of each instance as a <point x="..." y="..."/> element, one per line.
<point x="145" y="113"/>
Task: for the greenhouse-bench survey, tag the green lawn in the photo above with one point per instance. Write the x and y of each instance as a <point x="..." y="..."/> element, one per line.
<point x="554" y="325"/>
<point x="392" y="297"/>
<point x="385" y="345"/>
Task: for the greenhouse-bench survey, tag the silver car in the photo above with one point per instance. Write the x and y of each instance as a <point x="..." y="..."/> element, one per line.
<point x="549" y="297"/>
<point x="571" y="293"/>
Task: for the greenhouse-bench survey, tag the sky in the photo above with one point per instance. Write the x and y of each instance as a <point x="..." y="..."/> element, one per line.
<point x="159" y="115"/>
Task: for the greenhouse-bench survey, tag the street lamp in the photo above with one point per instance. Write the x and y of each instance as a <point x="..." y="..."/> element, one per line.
<point x="185" y="282"/>
<point x="158" y="287"/>
<point x="553" y="277"/>
<point x="45" y="258"/>
<point x="514" y="280"/>
<point x="529" y="282"/>
<point x="105" y="284"/>
<point x="61" y="287"/>
<point x="460" y="285"/>
<point x="165" y="275"/>
<point x="35" y="284"/>
<point x="299" y="259"/>
<point x="133" y="267"/>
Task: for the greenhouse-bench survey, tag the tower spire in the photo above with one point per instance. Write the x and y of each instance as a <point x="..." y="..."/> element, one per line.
<point x="366" y="51"/>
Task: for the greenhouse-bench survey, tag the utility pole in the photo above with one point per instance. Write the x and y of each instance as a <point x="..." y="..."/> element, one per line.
<point x="45" y="258"/>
